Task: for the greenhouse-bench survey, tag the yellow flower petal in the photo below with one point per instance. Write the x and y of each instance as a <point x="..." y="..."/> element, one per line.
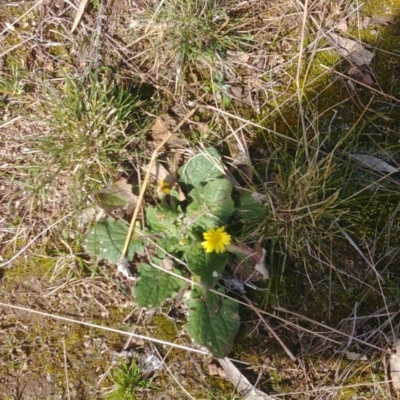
<point x="216" y="240"/>
<point x="164" y="187"/>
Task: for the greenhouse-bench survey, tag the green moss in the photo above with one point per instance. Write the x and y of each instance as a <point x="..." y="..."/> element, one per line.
<point x="165" y="328"/>
<point x="379" y="7"/>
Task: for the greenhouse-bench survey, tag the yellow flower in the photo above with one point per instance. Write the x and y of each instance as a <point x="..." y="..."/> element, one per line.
<point x="216" y="240"/>
<point x="164" y="187"/>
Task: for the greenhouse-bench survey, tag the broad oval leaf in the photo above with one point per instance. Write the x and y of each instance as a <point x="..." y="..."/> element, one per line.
<point x="202" y="167"/>
<point x="107" y="238"/>
<point x="208" y="266"/>
<point x="162" y="219"/>
<point x="217" y="195"/>
<point x="213" y="322"/>
<point x="212" y="204"/>
<point x="155" y="286"/>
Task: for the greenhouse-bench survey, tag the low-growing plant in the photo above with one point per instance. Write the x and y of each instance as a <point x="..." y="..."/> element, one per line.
<point x="91" y="117"/>
<point x="128" y="380"/>
<point x="194" y="233"/>
<point x="185" y="41"/>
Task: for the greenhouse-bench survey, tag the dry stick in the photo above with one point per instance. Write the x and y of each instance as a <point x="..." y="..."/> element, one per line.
<point x="300" y="89"/>
<point x="104" y="328"/>
<point x="66" y="370"/>
<point x="140" y="199"/>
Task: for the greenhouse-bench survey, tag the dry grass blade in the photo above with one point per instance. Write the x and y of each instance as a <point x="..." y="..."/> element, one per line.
<point x="79" y="14"/>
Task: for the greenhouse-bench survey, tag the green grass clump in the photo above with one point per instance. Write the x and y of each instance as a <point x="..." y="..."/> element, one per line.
<point x="129" y="382"/>
<point x="92" y="120"/>
<point x="187" y="41"/>
<point x="307" y="197"/>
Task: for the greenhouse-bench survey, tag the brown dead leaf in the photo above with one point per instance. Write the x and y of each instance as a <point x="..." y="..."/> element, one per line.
<point x="79" y="14"/>
<point x="366" y="79"/>
<point x="236" y="91"/>
<point x="361" y="76"/>
<point x="215" y="370"/>
<point x="352" y="356"/>
<point x="160" y="177"/>
<point x="365" y="22"/>
<point x="383" y="20"/>
<point x="117" y="199"/>
<point x="353" y="51"/>
<point x="342" y="25"/>
<point x="239" y="56"/>
<point x="162" y="127"/>
<point x="374" y="163"/>
<point x="249" y="265"/>
<point x="353" y="70"/>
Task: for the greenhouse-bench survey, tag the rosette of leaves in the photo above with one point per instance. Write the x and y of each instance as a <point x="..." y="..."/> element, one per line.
<point x="213" y="319"/>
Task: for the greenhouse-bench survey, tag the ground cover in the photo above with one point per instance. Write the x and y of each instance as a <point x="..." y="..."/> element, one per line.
<point x="275" y="130"/>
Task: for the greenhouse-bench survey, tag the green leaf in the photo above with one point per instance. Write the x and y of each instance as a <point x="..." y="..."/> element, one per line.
<point x="169" y="244"/>
<point x="208" y="266"/>
<point x="202" y="167"/>
<point x="212" y="204"/>
<point x="217" y="196"/>
<point x="250" y="210"/>
<point x="162" y="219"/>
<point x="107" y="238"/>
<point x="198" y="215"/>
<point x="155" y="286"/>
<point x="213" y="322"/>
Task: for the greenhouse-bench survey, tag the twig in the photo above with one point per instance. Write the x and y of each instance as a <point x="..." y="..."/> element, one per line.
<point x="104" y="328"/>
<point x="66" y="370"/>
<point x="140" y="199"/>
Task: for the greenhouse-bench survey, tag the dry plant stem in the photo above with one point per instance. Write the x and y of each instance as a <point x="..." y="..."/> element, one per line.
<point x="79" y="14"/>
<point x="140" y="199"/>
<point x="270" y="330"/>
<point x="66" y="369"/>
<point x="300" y="89"/>
<point x="104" y="328"/>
